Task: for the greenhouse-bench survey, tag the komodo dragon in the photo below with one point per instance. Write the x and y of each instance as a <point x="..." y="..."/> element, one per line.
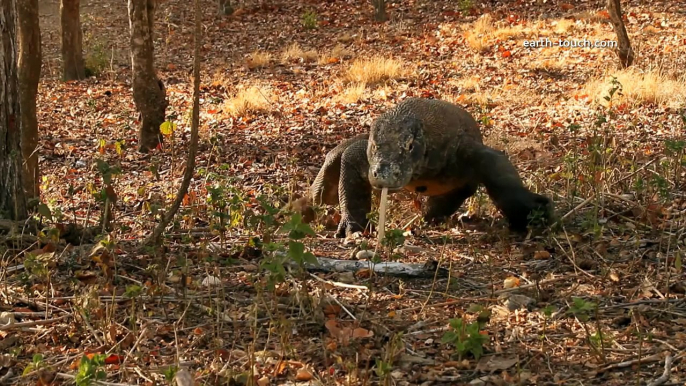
<point x="427" y="146"/>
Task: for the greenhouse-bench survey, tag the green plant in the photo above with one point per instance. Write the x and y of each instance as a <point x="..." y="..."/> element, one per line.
<point x="278" y="255"/>
<point x="37" y="363"/>
<point x="96" y="59"/>
<point x="465" y="6"/>
<point x="309" y="19"/>
<point x="582" y="309"/>
<point x="467" y="338"/>
<point x="90" y="370"/>
<point x="393" y="238"/>
<point x="170" y="373"/>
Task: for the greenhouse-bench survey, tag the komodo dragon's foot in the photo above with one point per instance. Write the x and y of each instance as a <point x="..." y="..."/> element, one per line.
<point x="524" y="208"/>
<point x="346" y="228"/>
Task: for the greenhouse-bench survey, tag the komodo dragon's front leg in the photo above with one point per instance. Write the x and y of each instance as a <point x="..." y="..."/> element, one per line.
<point x="343" y="180"/>
<point x="506" y="189"/>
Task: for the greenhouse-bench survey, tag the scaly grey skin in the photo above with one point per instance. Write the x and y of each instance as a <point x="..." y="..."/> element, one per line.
<point x="428" y="146"/>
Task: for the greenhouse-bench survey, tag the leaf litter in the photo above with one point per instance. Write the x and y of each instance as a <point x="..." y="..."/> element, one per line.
<point x="596" y="300"/>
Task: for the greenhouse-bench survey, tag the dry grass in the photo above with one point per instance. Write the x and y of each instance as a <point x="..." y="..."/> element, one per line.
<point x="351" y="93"/>
<point x="258" y="59"/>
<point x="548" y="58"/>
<point x="648" y="87"/>
<point x="483" y="26"/>
<point x="335" y="55"/>
<point x="249" y="99"/>
<point x="484" y="29"/>
<point x="564" y="26"/>
<point x="345" y="38"/>
<point x="476" y="42"/>
<point x="376" y="70"/>
<point x="506" y="33"/>
<point x="295" y="53"/>
<point x="590" y="16"/>
<point x="472" y="83"/>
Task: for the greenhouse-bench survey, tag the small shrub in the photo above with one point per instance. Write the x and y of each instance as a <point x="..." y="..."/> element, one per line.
<point x="96" y="59"/>
<point x="467" y="338"/>
<point x="309" y="19"/>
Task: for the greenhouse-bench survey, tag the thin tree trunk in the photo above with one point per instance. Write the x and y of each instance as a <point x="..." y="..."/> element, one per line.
<point x="148" y="89"/>
<point x="29" y="76"/>
<point x="193" y="146"/>
<point x="380" y="10"/>
<point x="626" y="53"/>
<point x="12" y="198"/>
<point x="225" y="7"/>
<point x="72" y="41"/>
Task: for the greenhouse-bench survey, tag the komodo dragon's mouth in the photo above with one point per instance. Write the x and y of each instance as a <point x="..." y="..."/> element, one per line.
<point x="390" y="190"/>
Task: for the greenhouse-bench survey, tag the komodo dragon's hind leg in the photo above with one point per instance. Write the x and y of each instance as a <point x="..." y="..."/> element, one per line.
<point x="440" y="208"/>
<point x="506" y="189"/>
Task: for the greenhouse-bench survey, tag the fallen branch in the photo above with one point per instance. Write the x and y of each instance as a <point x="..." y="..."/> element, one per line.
<point x="390" y="268"/>
<point x="629" y="363"/>
<point x="32" y="323"/>
<point x="665" y="374"/>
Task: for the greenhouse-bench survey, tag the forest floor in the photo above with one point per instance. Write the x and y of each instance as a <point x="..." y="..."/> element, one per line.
<point x="597" y="299"/>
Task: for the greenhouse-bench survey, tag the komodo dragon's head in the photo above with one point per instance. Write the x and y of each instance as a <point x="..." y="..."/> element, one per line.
<point x="396" y="148"/>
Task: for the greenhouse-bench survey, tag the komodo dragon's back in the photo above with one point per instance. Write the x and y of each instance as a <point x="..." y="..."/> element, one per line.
<point x="443" y="122"/>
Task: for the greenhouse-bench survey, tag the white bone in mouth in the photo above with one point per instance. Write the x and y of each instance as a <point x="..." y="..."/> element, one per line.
<point x="382" y="214"/>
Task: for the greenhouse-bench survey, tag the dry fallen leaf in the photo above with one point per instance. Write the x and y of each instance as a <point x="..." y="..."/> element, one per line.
<point x="541" y="255"/>
<point x="184" y="378"/>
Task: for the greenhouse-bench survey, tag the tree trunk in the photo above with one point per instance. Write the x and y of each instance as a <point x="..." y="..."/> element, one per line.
<point x="72" y="41"/>
<point x="626" y="54"/>
<point x="380" y="14"/>
<point x="12" y="198"/>
<point x="148" y="90"/>
<point x="156" y="235"/>
<point x="29" y="76"/>
<point x="225" y="7"/>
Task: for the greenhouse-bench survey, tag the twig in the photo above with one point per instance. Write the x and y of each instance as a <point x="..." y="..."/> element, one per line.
<point x="629" y="363"/>
<point x="140" y="337"/>
<point x="571" y="258"/>
<point x="583" y="203"/>
<point x="91" y="329"/>
<point x="339" y="284"/>
<point x="665" y="374"/>
<point x="343" y="307"/>
<point x="32" y="323"/>
<point x="69" y="376"/>
<point x="521" y="287"/>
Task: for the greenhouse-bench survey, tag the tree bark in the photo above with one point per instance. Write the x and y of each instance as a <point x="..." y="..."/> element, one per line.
<point x="148" y="89"/>
<point x="380" y="14"/>
<point x="225" y="7"/>
<point x="73" y="67"/>
<point x="29" y="67"/>
<point x="195" y="124"/>
<point x="626" y="53"/>
<point x="12" y="198"/>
